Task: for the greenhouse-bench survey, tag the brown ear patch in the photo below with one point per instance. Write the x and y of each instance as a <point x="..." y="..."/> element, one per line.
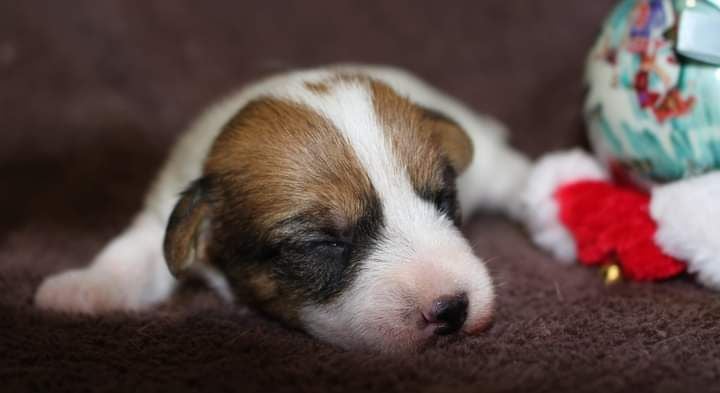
<point x="455" y="142"/>
<point x="423" y="139"/>
<point x="186" y="236"/>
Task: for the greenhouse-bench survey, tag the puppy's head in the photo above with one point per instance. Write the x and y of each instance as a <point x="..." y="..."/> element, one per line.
<point x="333" y="208"/>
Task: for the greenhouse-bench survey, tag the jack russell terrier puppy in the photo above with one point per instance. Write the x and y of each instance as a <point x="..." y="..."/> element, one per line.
<point x="329" y="199"/>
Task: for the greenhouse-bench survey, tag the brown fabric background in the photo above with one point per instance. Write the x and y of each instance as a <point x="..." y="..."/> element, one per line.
<point x="93" y="91"/>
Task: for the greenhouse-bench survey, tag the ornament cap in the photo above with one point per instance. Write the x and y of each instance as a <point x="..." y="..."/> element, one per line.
<point x="698" y="34"/>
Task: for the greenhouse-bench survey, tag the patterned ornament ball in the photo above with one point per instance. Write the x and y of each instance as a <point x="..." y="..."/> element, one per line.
<point x="653" y="101"/>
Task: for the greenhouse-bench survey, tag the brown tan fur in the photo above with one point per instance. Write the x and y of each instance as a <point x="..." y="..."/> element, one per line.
<point x="421" y="138"/>
<point x="290" y="160"/>
<point x="317" y="87"/>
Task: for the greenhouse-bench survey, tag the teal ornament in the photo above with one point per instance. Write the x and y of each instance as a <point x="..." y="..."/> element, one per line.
<point x="653" y="78"/>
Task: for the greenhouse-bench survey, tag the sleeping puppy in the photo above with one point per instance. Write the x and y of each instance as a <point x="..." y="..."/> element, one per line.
<point x="329" y="199"/>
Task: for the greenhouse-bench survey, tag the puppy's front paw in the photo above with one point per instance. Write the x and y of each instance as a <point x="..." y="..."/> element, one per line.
<point x="81" y="291"/>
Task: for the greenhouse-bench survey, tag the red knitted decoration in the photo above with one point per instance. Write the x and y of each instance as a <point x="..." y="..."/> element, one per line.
<point x="609" y="221"/>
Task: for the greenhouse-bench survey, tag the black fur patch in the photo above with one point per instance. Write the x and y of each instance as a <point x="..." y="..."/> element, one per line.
<point x="320" y="262"/>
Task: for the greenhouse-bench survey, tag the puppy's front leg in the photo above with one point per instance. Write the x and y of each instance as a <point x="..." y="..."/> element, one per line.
<point x="129" y="274"/>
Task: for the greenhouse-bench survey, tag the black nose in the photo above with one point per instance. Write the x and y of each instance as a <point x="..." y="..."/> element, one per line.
<point x="449" y="313"/>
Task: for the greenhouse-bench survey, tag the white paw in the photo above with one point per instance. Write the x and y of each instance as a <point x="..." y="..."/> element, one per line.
<point x="540" y="209"/>
<point x="82" y="291"/>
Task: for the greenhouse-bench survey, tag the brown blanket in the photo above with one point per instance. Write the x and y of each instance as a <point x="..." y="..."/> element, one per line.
<point x="92" y="93"/>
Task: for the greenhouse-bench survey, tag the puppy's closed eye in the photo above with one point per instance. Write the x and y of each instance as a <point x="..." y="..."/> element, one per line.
<point x="326" y="248"/>
<point x="316" y="268"/>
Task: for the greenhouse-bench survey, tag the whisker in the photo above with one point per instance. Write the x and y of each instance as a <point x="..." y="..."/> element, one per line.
<point x="500" y="284"/>
<point x="491" y="259"/>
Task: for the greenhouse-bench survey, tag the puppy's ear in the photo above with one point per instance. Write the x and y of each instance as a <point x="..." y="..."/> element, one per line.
<point x="453" y="140"/>
<point x="188" y="231"/>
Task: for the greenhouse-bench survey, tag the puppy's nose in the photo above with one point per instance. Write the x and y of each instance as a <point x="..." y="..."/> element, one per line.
<point x="448" y="313"/>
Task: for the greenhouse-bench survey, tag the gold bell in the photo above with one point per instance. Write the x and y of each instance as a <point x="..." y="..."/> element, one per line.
<point x="611" y="273"/>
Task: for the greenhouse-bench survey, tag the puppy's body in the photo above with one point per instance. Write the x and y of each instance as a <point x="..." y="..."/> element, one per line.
<point x="324" y="198"/>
